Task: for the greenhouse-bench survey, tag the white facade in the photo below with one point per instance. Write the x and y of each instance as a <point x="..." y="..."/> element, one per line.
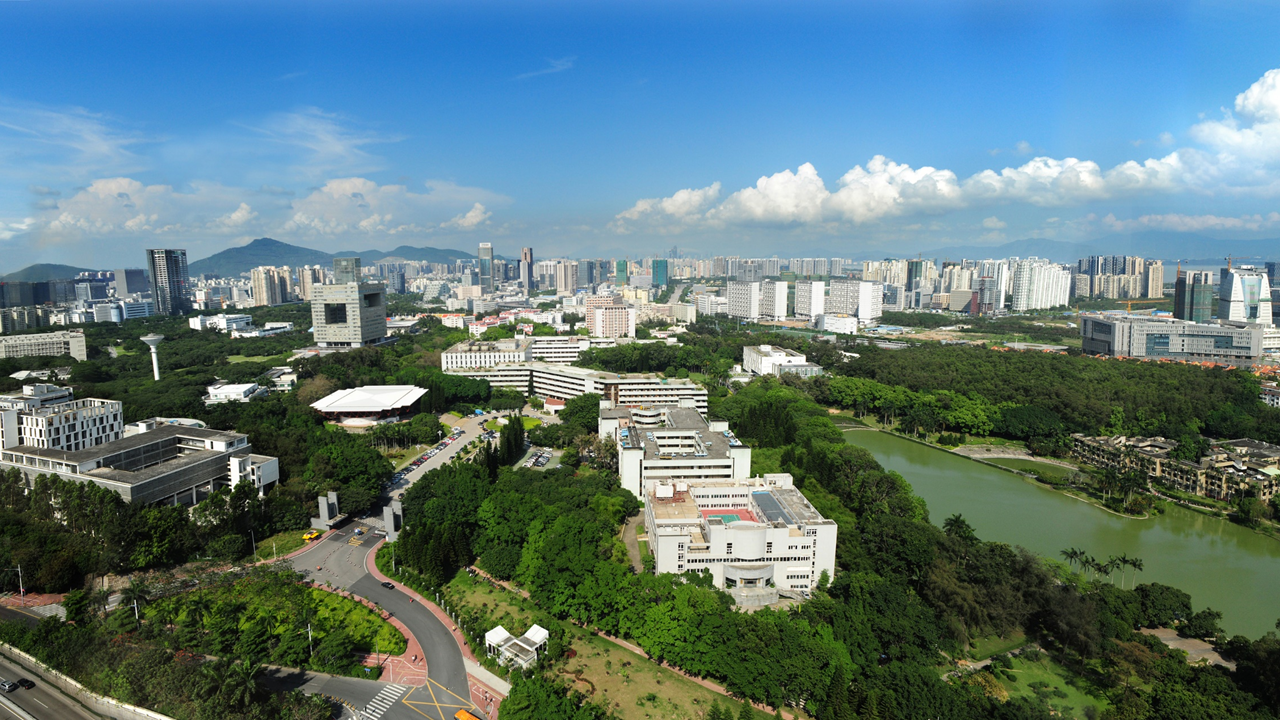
<point x="869" y="301"/>
<point x="612" y="321"/>
<point x="238" y="392"/>
<point x="773" y="300"/>
<point x="482" y="354"/>
<point x="1244" y="296"/>
<point x="672" y="443"/>
<point x="744" y="300"/>
<point x="72" y="426"/>
<point x="751" y="534"/>
<point x="564" y="349"/>
<point x="838" y="323"/>
<point x="1039" y="284"/>
<point x="563" y="382"/>
<point x="708" y="304"/>
<point x="50" y="344"/>
<point x="770" y="360"/>
<point x="810" y="298"/>
<point x="221" y="323"/>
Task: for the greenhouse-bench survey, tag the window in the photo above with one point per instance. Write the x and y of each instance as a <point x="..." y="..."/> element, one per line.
<point x="728" y="548"/>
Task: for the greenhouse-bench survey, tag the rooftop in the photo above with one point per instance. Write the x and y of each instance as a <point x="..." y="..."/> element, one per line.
<point x="370" y="398"/>
<point x="136" y="442"/>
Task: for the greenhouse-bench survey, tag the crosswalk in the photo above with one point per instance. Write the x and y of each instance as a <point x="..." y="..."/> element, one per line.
<point x="382" y="702"/>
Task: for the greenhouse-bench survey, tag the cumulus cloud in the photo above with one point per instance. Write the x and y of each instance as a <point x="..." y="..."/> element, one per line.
<point x="470" y="220"/>
<point x="994" y="223"/>
<point x="1238" y="160"/>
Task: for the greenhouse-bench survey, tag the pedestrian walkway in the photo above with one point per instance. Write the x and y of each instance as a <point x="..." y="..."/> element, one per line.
<point x="383" y="701"/>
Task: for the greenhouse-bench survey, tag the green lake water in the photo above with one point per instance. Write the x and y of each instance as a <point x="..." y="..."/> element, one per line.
<point x="1222" y="565"/>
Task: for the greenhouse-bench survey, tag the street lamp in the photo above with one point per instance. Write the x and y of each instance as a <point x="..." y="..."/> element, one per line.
<point x="22" y="591"/>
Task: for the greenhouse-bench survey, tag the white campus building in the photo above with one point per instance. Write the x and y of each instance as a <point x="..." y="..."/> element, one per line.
<point x="563" y="382"/>
<point x="48" y="418"/>
<point x="556" y="349"/>
<point x="810" y="298"/>
<point x="771" y="360"/>
<point x="221" y="323"/>
<point x="773" y="300"/>
<point x="672" y="443"/>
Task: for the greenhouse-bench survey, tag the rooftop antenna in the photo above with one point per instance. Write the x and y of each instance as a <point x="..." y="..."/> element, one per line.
<point x="153" y="340"/>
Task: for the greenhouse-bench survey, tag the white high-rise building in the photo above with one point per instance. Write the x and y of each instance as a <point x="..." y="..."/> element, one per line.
<point x="843" y="298"/>
<point x="1040" y="284"/>
<point x="744" y="300"/>
<point x="612" y="321"/>
<point x="773" y="300"/>
<point x="870" y="301"/>
<point x="810" y="298"/>
<point x="1244" y="295"/>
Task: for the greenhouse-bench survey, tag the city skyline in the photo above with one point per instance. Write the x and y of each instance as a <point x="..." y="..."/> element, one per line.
<point x="556" y="129"/>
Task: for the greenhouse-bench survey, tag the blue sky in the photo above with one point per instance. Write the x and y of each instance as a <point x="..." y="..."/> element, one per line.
<point x="624" y="128"/>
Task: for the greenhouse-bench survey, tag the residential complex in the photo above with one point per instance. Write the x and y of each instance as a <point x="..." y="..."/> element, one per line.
<point x="170" y="282"/>
<point x="810" y="299"/>
<point x="773" y="300"/>
<point x="1231" y="469"/>
<point x="612" y="321"/>
<point x="744" y="300"/>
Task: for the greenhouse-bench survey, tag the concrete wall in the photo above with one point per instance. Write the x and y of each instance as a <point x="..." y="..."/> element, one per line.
<point x="105" y="706"/>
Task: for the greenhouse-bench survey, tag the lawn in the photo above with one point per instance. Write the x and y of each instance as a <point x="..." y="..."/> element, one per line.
<point x="1047" y="470"/>
<point x="529" y="424"/>
<point x="983" y="648"/>
<point x="367" y="629"/>
<point x="253" y="358"/>
<point x="281" y="544"/>
<point x="1058" y="689"/>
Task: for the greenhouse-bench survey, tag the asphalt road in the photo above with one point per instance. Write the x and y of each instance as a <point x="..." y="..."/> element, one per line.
<point x="342" y="563"/>
<point x="43" y="702"/>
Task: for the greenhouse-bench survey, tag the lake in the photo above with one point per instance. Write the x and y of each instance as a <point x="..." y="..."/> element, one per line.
<point x="1222" y="565"/>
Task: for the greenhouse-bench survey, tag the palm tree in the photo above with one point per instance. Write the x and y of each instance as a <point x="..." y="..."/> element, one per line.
<point x="1136" y="564"/>
<point x="1071" y="555"/>
<point x="198" y="608"/>
<point x="210" y="678"/>
<point x="136" y="594"/>
<point x="241" y="683"/>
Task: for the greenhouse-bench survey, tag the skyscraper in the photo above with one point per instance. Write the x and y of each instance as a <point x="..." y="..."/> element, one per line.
<point x="526" y="269"/>
<point x="170" y="284"/>
<point x="1193" y="296"/>
<point x="810" y="298"/>
<point x="621" y="273"/>
<point x="346" y="270"/>
<point x="659" y="272"/>
<point x="1244" y="295"/>
<point x="486" y="267"/>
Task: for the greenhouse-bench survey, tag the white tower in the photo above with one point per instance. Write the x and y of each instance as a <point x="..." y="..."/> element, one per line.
<point x="153" y="340"/>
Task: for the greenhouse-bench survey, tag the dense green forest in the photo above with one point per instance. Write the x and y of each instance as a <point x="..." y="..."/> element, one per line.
<point x="871" y="643"/>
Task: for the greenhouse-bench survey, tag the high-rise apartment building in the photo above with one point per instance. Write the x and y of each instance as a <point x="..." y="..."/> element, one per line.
<point x="566" y="277"/>
<point x="773" y="300"/>
<point x="270" y="286"/>
<point x="308" y="278"/>
<point x="170" y="283"/>
<point x="1039" y="284"/>
<point x="346" y="270"/>
<point x="870" y="301"/>
<point x="612" y="321"/>
<point x="485" y="255"/>
<point x="810" y="299"/>
<point x="1244" y="295"/>
<point x="744" y="300"/>
<point x="130" y="282"/>
<point x="1193" y="296"/>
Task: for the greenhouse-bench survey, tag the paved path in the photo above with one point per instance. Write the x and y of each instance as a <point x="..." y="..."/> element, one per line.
<point x="472" y="424"/>
<point x="633" y="544"/>
<point x="1196" y="650"/>
<point x="344" y="561"/>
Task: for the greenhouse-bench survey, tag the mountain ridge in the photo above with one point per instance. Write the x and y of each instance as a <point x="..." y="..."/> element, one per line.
<point x="269" y="251"/>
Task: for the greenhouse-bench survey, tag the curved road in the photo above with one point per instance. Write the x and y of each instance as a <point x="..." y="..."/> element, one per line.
<point x="341" y="559"/>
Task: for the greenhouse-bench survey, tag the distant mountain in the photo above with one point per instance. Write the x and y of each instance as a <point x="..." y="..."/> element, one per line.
<point x="406" y="252"/>
<point x="42" y="272"/>
<point x="1168" y="246"/>
<point x="266" y="251"/>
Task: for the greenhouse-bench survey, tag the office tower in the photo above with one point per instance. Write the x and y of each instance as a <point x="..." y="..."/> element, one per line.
<point x="773" y="300"/>
<point x="810" y="298"/>
<point x="915" y="275"/>
<point x="92" y="290"/>
<point x="526" y="269"/>
<point x="586" y="273"/>
<point x="1193" y="296"/>
<point x="485" y="254"/>
<point x="660" y="276"/>
<point x="395" y="282"/>
<point x="621" y="270"/>
<point x="130" y="282"/>
<point x="170" y="283"/>
<point x="1244" y="295"/>
<point x="744" y="300"/>
<point x="566" y="277"/>
<point x="346" y="270"/>
<point x="348" y="315"/>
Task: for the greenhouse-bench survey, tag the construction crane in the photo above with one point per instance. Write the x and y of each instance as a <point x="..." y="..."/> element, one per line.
<point x="1128" y="304"/>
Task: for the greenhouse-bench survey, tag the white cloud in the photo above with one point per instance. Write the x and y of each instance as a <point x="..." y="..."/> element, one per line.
<point x="684" y="207"/>
<point x="553" y="66"/>
<point x="329" y="143"/>
<point x="1193" y="223"/>
<point x="1254" y="142"/>
<point x="473" y="218"/>
<point x="237" y="218"/>
<point x="1166" y="138"/>
<point x="63" y="143"/>
<point x="1023" y="148"/>
<point x="994" y="223"/>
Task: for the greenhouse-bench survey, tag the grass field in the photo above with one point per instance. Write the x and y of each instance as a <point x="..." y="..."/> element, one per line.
<point x="254" y="358"/>
<point x="365" y="628"/>
<point x="281" y="544"/>
<point x="529" y="423"/>
<point x="1047" y="470"/>
<point x="1057" y="683"/>
<point x="983" y="648"/>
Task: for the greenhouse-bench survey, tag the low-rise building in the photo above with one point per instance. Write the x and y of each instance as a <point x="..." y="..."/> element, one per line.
<point x="755" y="537"/>
<point x="267" y="330"/>
<point x="370" y="404"/>
<point x="37" y="419"/>
<point x="167" y="463"/>
<point x="511" y="651"/>
<point x="839" y="323"/>
<point x="1164" y="338"/>
<point x="221" y="323"/>
<point x="233" y="392"/>
<point x="50" y="344"/>
<point x="672" y="443"/>
<point x="566" y="381"/>
<point x="1231" y="467"/>
<point x="486" y="353"/>
<point x="36" y="395"/>
<point x="771" y="360"/>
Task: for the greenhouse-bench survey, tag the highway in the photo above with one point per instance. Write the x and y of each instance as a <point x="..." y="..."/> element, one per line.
<point x="42" y="702"/>
<point x="341" y="558"/>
